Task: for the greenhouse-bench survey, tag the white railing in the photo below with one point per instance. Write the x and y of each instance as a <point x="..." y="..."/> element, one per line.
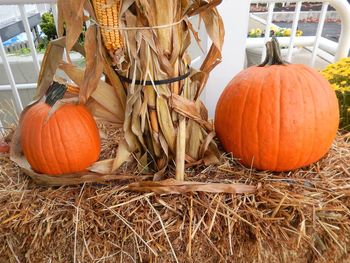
<point x="20" y="4"/>
<point x="318" y="43"/>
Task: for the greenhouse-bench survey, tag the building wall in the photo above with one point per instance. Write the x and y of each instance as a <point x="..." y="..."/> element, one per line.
<point x="236" y="16"/>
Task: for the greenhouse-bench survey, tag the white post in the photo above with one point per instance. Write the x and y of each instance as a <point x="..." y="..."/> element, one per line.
<point x="30" y="38"/>
<point x="294" y="30"/>
<point x="19" y="106"/>
<point x="319" y="33"/>
<point x="55" y="14"/>
<point x="267" y="28"/>
<point x="343" y="8"/>
<point x="233" y="55"/>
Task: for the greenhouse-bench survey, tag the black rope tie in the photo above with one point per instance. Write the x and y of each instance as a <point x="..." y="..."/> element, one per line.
<point x="155" y="82"/>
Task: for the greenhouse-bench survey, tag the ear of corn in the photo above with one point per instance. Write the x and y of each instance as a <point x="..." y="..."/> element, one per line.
<point x="107" y="14"/>
<point x="71" y="88"/>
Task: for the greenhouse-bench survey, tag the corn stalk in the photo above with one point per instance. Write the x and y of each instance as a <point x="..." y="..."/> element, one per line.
<point x="166" y="123"/>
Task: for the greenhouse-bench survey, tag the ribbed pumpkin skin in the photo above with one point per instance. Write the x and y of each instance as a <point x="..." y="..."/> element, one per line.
<point x="277" y="118"/>
<point x="67" y="143"/>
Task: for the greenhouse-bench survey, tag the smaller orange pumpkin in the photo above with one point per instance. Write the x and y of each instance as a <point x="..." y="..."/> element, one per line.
<point x="4" y="147"/>
<point x="66" y="142"/>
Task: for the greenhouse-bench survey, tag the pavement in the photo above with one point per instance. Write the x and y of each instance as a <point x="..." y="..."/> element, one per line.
<point x="330" y="30"/>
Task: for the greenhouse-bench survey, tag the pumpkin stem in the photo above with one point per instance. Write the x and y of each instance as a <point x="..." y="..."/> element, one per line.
<point x="55" y="92"/>
<point x="273" y="54"/>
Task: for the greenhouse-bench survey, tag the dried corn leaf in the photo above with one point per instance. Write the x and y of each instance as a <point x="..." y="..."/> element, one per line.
<point x="214" y="26"/>
<point x="104" y="94"/>
<point x="94" y="63"/>
<point x="123" y="154"/>
<point x="102" y="114"/>
<point x="203" y="110"/>
<point x="166" y="123"/>
<point x="102" y="167"/>
<point x="135" y="124"/>
<point x="115" y="81"/>
<point x="52" y="58"/>
<point x="199" y="6"/>
<point x="194" y="140"/>
<point x="172" y="186"/>
<point x="212" y="60"/>
<point x="89" y="9"/>
<point x="60" y="20"/>
<point x="164" y="15"/>
<point x="73" y="16"/>
<point x="72" y="179"/>
<point x="53" y="54"/>
<point x="189" y="109"/>
<point x="195" y="35"/>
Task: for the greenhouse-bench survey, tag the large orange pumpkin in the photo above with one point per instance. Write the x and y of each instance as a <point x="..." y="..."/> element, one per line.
<point x="67" y="142"/>
<point x="277" y="116"/>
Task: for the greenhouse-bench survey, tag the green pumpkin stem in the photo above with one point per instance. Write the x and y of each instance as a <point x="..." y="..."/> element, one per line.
<point x="55" y="92"/>
<point x="273" y="54"/>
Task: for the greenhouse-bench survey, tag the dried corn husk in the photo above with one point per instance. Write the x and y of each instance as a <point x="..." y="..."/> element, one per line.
<point x="174" y="112"/>
<point x="158" y="118"/>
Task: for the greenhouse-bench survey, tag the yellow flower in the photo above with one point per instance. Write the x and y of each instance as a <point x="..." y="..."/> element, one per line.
<point x="339" y="74"/>
<point x="287" y="32"/>
<point x="258" y="32"/>
<point x="252" y="32"/>
<point x="299" y="33"/>
<point x="335" y="86"/>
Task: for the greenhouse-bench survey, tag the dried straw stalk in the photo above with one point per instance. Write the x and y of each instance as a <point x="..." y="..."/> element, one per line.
<point x="301" y="217"/>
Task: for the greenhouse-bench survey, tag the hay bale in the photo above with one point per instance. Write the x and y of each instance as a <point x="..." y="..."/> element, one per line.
<point x="301" y="216"/>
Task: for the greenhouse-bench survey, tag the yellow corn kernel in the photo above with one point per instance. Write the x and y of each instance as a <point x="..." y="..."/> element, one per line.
<point x="73" y="89"/>
<point x="107" y="16"/>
